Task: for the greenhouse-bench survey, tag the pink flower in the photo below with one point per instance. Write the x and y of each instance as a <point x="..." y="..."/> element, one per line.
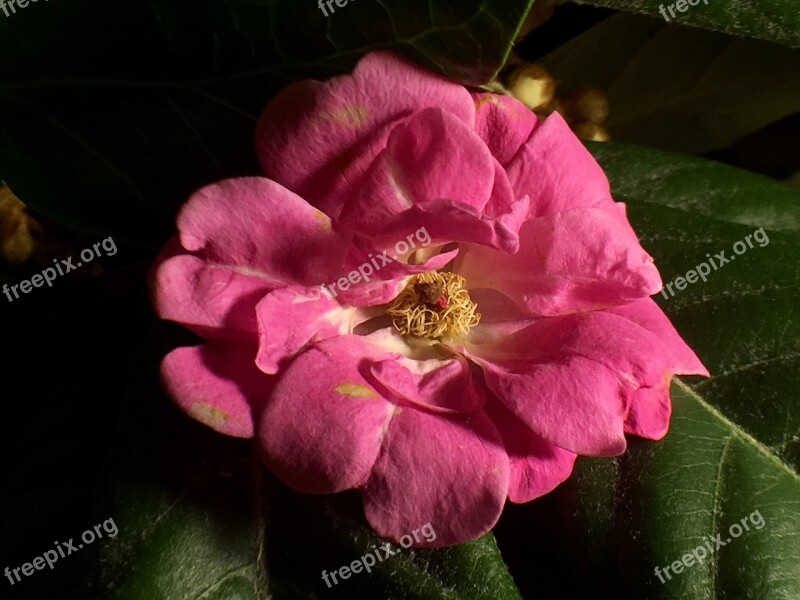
<point x="442" y="424"/>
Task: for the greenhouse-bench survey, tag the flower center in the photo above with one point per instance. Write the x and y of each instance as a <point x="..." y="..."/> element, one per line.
<point x="434" y="305"/>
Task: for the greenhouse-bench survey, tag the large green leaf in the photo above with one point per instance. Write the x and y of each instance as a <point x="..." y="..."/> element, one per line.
<point x="744" y="319"/>
<point x="680" y="88"/>
<point x="203" y="519"/>
<point x="211" y="523"/>
<point x="110" y="115"/>
<point x="307" y="535"/>
<point x="700" y="187"/>
<point x="734" y="443"/>
<point x="774" y="20"/>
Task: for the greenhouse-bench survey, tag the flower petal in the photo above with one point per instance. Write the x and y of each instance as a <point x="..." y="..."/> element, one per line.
<point x="500" y="317"/>
<point x="258" y="228"/>
<point x="318" y="139"/>
<point x="419" y="181"/>
<point x="649" y="412"/>
<point x="291" y="318"/>
<point x="448" y="221"/>
<point x="582" y="259"/>
<point x="557" y="170"/>
<point x="504" y="124"/>
<point x="537" y="466"/>
<point x="325" y="424"/>
<point x="218" y="385"/>
<point x="650" y="405"/>
<point x="212" y="300"/>
<point x="425" y="159"/>
<point x="449" y="471"/>
<point x="573" y="379"/>
<point x="646" y="314"/>
<point x="438" y="385"/>
<point x="575" y="403"/>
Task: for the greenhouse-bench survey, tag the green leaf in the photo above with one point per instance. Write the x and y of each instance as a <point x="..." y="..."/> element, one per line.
<point x="617" y="520"/>
<point x="680" y="88"/>
<point x="699" y="187"/>
<point x="203" y="519"/>
<point x="734" y="443"/>
<point x="191" y="521"/>
<point x="773" y="20"/>
<point x="111" y="116"/>
<point x="309" y="534"/>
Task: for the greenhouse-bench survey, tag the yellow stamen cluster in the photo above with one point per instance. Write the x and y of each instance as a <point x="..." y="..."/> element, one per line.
<point x="434" y="305"/>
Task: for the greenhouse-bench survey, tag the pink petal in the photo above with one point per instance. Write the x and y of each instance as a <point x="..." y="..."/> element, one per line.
<point x="504" y="124"/>
<point x="505" y="206"/>
<point x="255" y="227"/>
<point x="449" y="221"/>
<point x="449" y="471"/>
<point x="575" y="403"/>
<point x="573" y="379"/>
<point x="386" y="273"/>
<point x="582" y="259"/>
<point x="649" y="412"/>
<point x="325" y="424"/>
<point x="500" y="317"/>
<point x="537" y="466"/>
<point x="426" y="159"/>
<point x="291" y="318"/>
<point x="650" y="406"/>
<point x="363" y="294"/>
<point x="438" y="385"/>
<point x="419" y="181"/>
<point x="212" y="300"/>
<point x="543" y="159"/>
<point x="318" y="139"/>
<point x="218" y="385"/>
<point x="646" y="314"/>
<point x="552" y="165"/>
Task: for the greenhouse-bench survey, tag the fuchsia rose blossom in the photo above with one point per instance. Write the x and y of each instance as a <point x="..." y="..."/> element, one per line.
<point x="473" y="370"/>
